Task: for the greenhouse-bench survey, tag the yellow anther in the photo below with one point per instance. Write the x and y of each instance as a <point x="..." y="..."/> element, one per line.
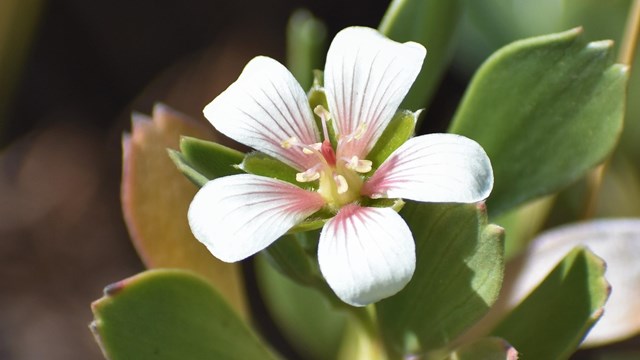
<point x="288" y="143"/>
<point x="362" y="128"/>
<point x="361" y="166"/>
<point x="323" y="113"/>
<point x="341" y="184"/>
<point x="308" y="176"/>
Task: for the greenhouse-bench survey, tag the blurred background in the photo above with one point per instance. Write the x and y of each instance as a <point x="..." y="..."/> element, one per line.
<point x="72" y="72"/>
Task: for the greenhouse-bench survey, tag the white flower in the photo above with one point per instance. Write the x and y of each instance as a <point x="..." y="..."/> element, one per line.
<point x="364" y="253"/>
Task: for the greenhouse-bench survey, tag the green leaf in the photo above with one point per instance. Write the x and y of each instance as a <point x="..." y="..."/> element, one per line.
<point x="431" y="23"/>
<point x="258" y="163"/>
<point x="312" y="326"/>
<point x="155" y="199"/>
<point x="459" y="270"/>
<point x="288" y="257"/>
<point x="554" y="318"/>
<point x="546" y="110"/>
<point x="171" y="314"/>
<point x="210" y="159"/>
<point x="485" y="349"/>
<point x="400" y="129"/>
<point x="306" y="38"/>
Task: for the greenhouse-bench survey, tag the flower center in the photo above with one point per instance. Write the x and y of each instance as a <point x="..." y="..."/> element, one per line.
<point x="339" y="178"/>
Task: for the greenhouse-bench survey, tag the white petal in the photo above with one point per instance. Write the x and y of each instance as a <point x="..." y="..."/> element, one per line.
<point x="366" y="76"/>
<point x="617" y="242"/>
<point x="263" y="108"/>
<point x="237" y="216"/>
<point x="366" y="254"/>
<point x="434" y="168"/>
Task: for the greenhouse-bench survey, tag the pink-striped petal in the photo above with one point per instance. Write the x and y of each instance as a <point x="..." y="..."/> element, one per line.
<point x="237" y="216"/>
<point x="263" y="108"/>
<point x="366" y="254"/>
<point x="366" y="76"/>
<point x="434" y="168"/>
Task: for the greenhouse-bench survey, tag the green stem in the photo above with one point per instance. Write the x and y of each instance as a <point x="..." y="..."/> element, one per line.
<point x="626" y="56"/>
<point x="631" y="35"/>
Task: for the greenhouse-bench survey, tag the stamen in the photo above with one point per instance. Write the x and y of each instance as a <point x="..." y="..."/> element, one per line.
<point x="325" y="116"/>
<point x="362" y="128"/>
<point x="361" y="166"/>
<point x="357" y="134"/>
<point x="308" y="176"/>
<point x="288" y="143"/>
<point x="341" y="183"/>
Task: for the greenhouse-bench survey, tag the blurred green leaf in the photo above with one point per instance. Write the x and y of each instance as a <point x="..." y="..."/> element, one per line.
<point x="546" y="110"/>
<point x="399" y="130"/>
<point x="485" y="349"/>
<point x="431" y="23"/>
<point x="555" y="317"/>
<point x="155" y="199"/>
<point x="306" y="38"/>
<point x="306" y="318"/>
<point x="171" y="314"/>
<point x="209" y="158"/>
<point x="458" y="275"/>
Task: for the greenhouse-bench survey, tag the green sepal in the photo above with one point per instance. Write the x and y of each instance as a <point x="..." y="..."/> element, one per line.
<point x="401" y="127"/>
<point x="171" y="315"/>
<point x="185" y="168"/>
<point x="210" y="159"/>
<point x="555" y="317"/>
<point x="261" y="164"/>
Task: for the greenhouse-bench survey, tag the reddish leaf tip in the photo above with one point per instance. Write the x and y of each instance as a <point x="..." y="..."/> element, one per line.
<point x="113" y="289"/>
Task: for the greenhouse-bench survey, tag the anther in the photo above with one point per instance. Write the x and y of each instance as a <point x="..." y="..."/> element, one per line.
<point x="288" y="143"/>
<point x="361" y="166"/>
<point x="341" y="184"/>
<point x="308" y="176"/>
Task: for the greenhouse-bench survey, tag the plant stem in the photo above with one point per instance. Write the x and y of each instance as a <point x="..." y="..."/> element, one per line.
<point x="626" y="55"/>
<point x="631" y="35"/>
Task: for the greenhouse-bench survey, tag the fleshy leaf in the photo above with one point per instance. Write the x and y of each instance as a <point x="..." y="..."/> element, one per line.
<point x="171" y="314"/>
<point x="485" y="349"/>
<point x="431" y="23"/>
<point x="546" y="110"/>
<point x="555" y="317"/>
<point x="307" y="319"/>
<point x="306" y="38"/>
<point x="210" y="159"/>
<point x="400" y="128"/>
<point x="458" y="276"/>
<point x="258" y="163"/>
<point x="155" y="199"/>
<point x="617" y="242"/>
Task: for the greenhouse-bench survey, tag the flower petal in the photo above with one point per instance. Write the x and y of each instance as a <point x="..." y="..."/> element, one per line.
<point x="263" y="108"/>
<point x="617" y="242"/>
<point x="237" y="216"/>
<point x="366" y="76"/>
<point x="366" y="254"/>
<point x="434" y="168"/>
